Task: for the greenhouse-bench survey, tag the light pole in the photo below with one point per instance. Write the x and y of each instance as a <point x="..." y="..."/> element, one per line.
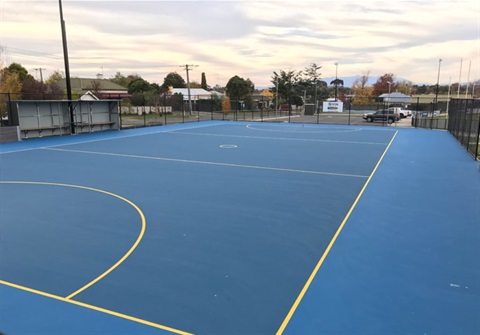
<point x="67" y="68"/>
<point x="468" y="79"/>
<point x="389" y="101"/>
<point x="438" y="80"/>
<point x="435" y="105"/>
<point x="336" y="79"/>
<point x="389" y="92"/>
<point x="448" y="94"/>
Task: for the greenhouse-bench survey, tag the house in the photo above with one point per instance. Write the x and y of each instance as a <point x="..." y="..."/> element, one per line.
<point x="101" y="88"/>
<point x="195" y="93"/>
<point x="89" y="96"/>
<point x="201" y="100"/>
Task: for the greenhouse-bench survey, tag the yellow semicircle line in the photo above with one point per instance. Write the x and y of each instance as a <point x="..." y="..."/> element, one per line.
<point x="125" y="256"/>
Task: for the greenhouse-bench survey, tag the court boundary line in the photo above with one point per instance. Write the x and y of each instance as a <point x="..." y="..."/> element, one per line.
<point x="207" y="163"/>
<point x="95" y="308"/>
<point x="125" y="255"/>
<point x="319" y="264"/>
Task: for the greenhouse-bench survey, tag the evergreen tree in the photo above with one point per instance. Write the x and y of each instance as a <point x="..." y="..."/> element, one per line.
<point x="204" y="81"/>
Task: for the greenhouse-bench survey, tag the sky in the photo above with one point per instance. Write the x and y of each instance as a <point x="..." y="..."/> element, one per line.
<point x="251" y="39"/>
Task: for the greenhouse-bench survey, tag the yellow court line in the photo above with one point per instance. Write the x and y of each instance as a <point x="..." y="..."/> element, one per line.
<point x="95" y="308"/>
<point x="330" y="245"/>
<point x="128" y="253"/>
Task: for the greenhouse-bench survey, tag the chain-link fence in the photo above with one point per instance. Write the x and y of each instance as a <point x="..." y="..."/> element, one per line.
<point x="464" y="124"/>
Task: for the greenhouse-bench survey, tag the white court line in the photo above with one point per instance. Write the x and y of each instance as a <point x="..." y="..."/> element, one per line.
<point x="279" y="138"/>
<point x="208" y="163"/>
<point x="290" y="129"/>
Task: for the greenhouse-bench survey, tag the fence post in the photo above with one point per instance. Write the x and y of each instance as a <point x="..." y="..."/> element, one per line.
<point x="477" y="153"/>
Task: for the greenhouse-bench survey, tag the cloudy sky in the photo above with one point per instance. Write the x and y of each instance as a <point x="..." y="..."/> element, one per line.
<point x="250" y="39"/>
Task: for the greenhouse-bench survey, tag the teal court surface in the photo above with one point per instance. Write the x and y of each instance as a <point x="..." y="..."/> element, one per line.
<point x="240" y="228"/>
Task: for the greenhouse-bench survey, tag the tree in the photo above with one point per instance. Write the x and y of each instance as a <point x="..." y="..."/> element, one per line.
<point x="363" y="80"/>
<point x="20" y="70"/>
<point x="362" y="95"/>
<point x="139" y="86"/>
<point x="285" y="84"/>
<point x="195" y="84"/>
<point x="175" y="80"/>
<point x="226" y="107"/>
<point x="311" y="76"/>
<point x="361" y="91"/>
<point x="55" y="77"/>
<point x="238" y="88"/>
<point x="9" y="83"/>
<point x="204" y="82"/>
<point x="404" y="86"/>
<point x="121" y="80"/>
<point x="336" y="82"/>
<point x="384" y="84"/>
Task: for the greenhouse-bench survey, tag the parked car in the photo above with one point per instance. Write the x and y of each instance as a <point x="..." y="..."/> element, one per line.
<point x="389" y="115"/>
<point x="404" y="113"/>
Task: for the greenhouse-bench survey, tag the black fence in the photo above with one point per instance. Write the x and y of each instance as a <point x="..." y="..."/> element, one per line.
<point x="459" y="116"/>
<point x="464" y="124"/>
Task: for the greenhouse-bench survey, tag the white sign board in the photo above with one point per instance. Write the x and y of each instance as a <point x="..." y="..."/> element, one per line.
<point x="333" y="106"/>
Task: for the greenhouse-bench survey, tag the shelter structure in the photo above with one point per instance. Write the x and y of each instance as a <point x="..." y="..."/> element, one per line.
<point x="395" y="98"/>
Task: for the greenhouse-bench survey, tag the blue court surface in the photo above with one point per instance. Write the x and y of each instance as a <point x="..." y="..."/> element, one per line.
<point x="240" y="228"/>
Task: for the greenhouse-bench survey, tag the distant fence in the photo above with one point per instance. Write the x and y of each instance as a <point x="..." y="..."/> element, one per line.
<point x="464" y="124"/>
<point x="458" y="116"/>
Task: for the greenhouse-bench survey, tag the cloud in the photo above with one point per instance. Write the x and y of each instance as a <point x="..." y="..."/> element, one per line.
<point x="246" y="38"/>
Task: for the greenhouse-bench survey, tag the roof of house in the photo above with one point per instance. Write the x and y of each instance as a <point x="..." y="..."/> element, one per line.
<point x="83" y="85"/>
<point x="89" y="96"/>
<point x="395" y="97"/>
<point x="195" y="93"/>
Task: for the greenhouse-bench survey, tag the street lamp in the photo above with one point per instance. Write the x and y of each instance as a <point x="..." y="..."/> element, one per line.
<point x="438" y="80"/>
<point x="336" y="80"/>
<point x="67" y="68"/>
<point x="389" y="92"/>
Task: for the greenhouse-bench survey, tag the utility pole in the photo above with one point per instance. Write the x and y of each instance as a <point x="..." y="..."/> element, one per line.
<point x="187" y="69"/>
<point x="41" y="74"/>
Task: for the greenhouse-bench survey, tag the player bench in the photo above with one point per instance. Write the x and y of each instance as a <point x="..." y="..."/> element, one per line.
<point x="25" y="131"/>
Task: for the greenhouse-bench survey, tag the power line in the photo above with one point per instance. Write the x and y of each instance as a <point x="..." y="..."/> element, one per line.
<point x="29" y="53"/>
